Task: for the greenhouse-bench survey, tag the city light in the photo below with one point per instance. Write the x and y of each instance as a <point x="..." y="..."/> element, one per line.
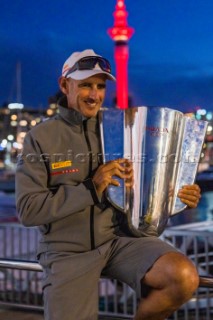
<point x="15" y="106"/>
<point x="13" y="117"/>
<point x="23" y="123"/>
<point x="22" y="134"/>
<point x="209" y="129"/>
<point x="10" y="137"/>
<point x="33" y="123"/>
<point x="209" y="116"/>
<point x="50" y="112"/>
<point x="4" y="143"/>
<point x="13" y="123"/>
<point x="17" y="145"/>
<point x="201" y="112"/>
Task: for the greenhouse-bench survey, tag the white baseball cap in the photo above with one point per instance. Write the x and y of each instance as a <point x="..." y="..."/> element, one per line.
<point x="88" y="67"/>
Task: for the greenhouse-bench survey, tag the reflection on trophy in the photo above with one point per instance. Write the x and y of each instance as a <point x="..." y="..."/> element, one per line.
<point x="164" y="147"/>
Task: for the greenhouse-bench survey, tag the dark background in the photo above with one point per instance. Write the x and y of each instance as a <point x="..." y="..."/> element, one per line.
<point x="171" y="52"/>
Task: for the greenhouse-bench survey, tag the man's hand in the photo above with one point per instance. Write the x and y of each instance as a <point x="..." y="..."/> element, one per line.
<point x="190" y="195"/>
<point x="121" y="168"/>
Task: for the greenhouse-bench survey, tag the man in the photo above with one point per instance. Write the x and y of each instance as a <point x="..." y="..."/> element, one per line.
<point x="60" y="187"/>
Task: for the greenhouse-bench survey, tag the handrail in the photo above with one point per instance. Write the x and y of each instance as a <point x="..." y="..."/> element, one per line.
<point x="20" y="265"/>
<point x="205" y="281"/>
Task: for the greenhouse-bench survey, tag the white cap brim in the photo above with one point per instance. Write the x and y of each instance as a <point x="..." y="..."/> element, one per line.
<point x="84" y="74"/>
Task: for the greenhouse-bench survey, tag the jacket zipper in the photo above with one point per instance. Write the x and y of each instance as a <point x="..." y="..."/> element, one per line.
<point x="92" y="235"/>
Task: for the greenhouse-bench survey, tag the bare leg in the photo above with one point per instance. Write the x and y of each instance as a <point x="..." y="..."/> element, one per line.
<point x="171" y="282"/>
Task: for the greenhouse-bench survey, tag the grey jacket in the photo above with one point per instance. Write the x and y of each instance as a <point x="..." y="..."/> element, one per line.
<point x="54" y="189"/>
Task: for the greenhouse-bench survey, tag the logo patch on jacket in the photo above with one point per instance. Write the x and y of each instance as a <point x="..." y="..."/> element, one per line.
<point x="61" y="164"/>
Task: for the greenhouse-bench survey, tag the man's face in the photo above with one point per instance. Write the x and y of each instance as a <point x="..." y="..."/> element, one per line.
<point x="86" y="96"/>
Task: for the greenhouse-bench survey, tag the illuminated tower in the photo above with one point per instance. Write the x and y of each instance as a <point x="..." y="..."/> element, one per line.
<point x="121" y="33"/>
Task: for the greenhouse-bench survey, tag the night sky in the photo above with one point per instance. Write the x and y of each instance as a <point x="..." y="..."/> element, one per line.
<point x="171" y="52"/>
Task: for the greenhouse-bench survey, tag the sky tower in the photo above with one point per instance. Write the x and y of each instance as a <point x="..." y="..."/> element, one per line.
<point x="121" y="33"/>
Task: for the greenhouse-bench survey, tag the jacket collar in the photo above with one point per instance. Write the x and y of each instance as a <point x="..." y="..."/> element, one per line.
<point x="74" y="117"/>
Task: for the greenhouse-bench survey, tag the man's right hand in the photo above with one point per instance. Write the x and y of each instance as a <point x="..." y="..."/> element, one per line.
<point x="121" y="168"/>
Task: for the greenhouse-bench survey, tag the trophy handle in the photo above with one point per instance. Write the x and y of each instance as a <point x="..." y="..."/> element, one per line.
<point x="192" y="142"/>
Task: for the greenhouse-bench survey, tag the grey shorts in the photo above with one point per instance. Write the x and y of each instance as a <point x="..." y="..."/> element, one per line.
<point x="71" y="279"/>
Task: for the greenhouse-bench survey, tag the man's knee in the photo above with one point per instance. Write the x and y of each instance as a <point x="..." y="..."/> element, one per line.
<point x="175" y="271"/>
<point x="181" y="271"/>
<point x="168" y="284"/>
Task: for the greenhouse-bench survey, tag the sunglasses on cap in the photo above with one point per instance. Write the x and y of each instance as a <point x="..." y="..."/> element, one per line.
<point x="89" y="63"/>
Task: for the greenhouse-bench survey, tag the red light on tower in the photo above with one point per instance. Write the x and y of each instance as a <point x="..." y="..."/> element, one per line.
<point x="121" y="33"/>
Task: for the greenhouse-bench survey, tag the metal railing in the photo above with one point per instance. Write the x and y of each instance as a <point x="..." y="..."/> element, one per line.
<point x="195" y="240"/>
<point x="111" y="303"/>
<point x="115" y="298"/>
<point x="21" y="276"/>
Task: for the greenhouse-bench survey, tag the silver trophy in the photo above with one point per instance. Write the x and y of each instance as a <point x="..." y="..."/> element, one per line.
<point x="164" y="147"/>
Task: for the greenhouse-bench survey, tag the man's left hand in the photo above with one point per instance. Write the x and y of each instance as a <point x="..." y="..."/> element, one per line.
<point x="190" y="195"/>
